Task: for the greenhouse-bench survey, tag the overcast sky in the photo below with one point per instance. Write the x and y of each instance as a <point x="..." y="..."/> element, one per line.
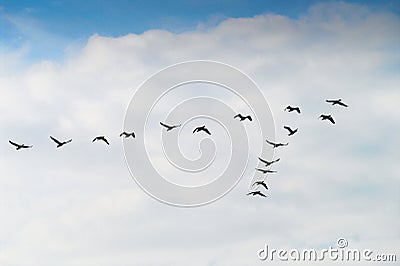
<point x="70" y="71"/>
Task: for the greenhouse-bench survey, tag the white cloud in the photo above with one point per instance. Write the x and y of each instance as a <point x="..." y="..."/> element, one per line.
<point x="79" y="206"/>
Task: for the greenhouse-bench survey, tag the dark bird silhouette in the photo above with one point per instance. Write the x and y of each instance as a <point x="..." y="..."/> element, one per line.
<point x="19" y="146"/>
<point x="265" y="171"/>
<point x="168" y="127"/>
<point x="268" y="163"/>
<point x="291" y="109"/>
<point x="255" y="193"/>
<point x="261" y="183"/>
<point x="202" y="128"/>
<point x="60" y="143"/>
<point x="327" y="117"/>
<point x="291" y="131"/>
<point x="127" y="134"/>
<point x="276" y="145"/>
<point x="101" y="138"/>
<point x="241" y="117"/>
<point x="338" y="102"/>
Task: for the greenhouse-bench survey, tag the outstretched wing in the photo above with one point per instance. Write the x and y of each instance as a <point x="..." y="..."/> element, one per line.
<point x="264" y="185"/>
<point x="164" y="125"/>
<point x="13" y="143"/>
<point x="262" y="160"/>
<point x="261" y="170"/>
<point x="238" y="115"/>
<point x="56" y="140"/>
<point x="207" y="131"/>
<point x="261" y="194"/>
<point x="270" y="142"/>
<point x="288" y="128"/>
<point x="342" y="104"/>
<point x="330" y="118"/>
<point x="249" y="117"/>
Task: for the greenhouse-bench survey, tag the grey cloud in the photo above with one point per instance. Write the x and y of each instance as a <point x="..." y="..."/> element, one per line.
<point x="79" y="205"/>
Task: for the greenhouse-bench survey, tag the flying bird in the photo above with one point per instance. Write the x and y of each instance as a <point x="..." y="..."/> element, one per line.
<point x="168" y="127"/>
<point x="265" y="171"/>
<point x="291" y="109"/>
<point x="268" y="163"/>
<point x="127" y="134"/>
<point x="291" y="131"/>
<point x="202" y="128"/>
<point x="241" y="117"/>
<point x="60" y="143"/>
<point x="276" y="145"/>
<point x="338" y="102"/>
<point x="327" y="117"/>
<point x="102" y="138"/>
<point x="254" y="193"/>
<point x="19" y="146"/>
<point x="261" y="183"/>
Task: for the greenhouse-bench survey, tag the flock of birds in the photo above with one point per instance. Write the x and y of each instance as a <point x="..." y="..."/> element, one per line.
<point x="203" y="128"/>
<point x="59" y="143"/>
<point x="291" y="132"/>
<point x="123" y="134"/>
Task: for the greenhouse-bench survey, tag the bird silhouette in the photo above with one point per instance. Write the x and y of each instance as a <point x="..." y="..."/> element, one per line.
<point x="268" y="163"/>
<point x="241" y="117"/>
<point x="202" y="128"/>
<point x="255" y="193"/>
<point x="291" y="131"/>
<point x="338" y="102"/>
<point x="265" y="171"/>
<point x="276" y="145"/>
<point x="19" y="146"/>
<point x="291" y="109"/>
<point x="127" y="134"/>
<point x="327" y="117"/>
<point x="102" y="138"/>
<point x="60" y="143"/>
<point x="168" y="127"/>
<point x="261" y="183"/>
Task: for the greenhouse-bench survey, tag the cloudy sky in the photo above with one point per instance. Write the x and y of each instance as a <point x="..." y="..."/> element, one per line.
<point x="70" y="69"/>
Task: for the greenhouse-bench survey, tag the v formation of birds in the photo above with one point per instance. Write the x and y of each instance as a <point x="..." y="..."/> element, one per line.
<point x="203" y="128"/>
<point x="291" y="131"/>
